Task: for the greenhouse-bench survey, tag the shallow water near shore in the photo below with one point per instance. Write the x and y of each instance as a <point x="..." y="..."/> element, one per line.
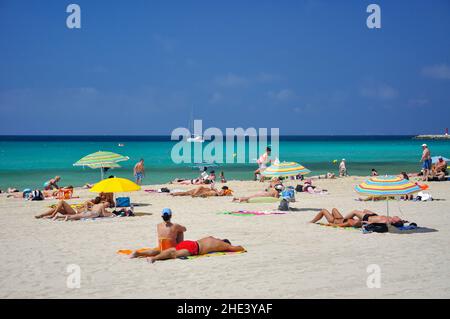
<point x="28" y="161"/>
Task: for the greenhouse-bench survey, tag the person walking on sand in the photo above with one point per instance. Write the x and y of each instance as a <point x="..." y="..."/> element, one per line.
<point x="426" y="161"/>
<point x="139" y="171"/>
<point x="262" y="163"/>
<point x="342" y="168"/>
<point x="171" y="232"/>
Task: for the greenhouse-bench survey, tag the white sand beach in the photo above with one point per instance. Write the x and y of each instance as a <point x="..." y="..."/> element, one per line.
<point x="287" y="256"/>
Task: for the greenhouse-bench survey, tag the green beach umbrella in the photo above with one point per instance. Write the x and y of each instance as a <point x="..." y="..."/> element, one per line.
<point x="101" y="160"/>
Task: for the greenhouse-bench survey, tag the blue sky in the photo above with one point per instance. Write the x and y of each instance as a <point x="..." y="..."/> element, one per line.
<point x="306" y="67"/>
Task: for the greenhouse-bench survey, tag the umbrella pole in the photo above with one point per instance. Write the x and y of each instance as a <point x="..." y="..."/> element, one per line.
<point x="101" y="173"/>
<point x="387" y="205"/>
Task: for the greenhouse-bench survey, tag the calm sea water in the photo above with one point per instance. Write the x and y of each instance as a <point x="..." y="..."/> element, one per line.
<point x="28" y="161"/>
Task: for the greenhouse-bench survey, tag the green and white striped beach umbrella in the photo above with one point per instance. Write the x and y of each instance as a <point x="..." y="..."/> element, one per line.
<point x="101" y="160"/>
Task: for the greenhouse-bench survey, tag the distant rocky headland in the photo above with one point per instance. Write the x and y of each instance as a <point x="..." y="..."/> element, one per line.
<point x="432" y="137"/>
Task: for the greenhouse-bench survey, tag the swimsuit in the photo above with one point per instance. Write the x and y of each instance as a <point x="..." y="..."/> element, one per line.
<point x="427" y="164"/>
<point x="366" y="217"/>
<point x="191" y="246"/>
<point x="139" y="175"/>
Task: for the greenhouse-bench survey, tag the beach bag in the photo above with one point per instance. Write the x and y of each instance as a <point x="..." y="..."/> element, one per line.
<point x="27" y="192"/>
<point x="375" y="228"/>
<point x="123" y="202"/>
<point x="37" y="195"/>
<point x="284" y="205"/>
<point x="288" y="194"/>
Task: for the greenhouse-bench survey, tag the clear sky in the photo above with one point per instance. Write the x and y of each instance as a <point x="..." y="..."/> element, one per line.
<point x="306" y="67"/>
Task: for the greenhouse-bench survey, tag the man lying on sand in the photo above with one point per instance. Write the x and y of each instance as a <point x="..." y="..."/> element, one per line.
<point x="97" y="210"/>
<point x="171" y="233"/>
<point x="369" y="217"/>
<point x="203" y="191"/>
<point x="336" y="219"/>
<point x="200" y="247"/>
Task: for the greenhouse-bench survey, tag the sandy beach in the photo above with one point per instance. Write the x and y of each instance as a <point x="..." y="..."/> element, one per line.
<point x="287" y="256"/>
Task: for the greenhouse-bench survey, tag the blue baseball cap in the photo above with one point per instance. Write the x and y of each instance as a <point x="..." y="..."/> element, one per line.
<point x="166" y="212"/>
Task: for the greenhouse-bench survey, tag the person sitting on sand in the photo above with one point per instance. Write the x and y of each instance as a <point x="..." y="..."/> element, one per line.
<point x="107" y="197"/>
<point x="203" y="191"/>
<point x="270" y="192"/>
<point x="95" y="211"/>
<point x="336" y="219"/>
<point x="193" y="248"/>
<point x="441" y="165"/>
<point x="436" y="175"/>
<point x="369" y="217"/>
<point x="64" y="208"/>
<point x="172" y="233"/>
<point x="330" y="175"/>
<point x="51" y="184"/>
<point x="374" y="172"/>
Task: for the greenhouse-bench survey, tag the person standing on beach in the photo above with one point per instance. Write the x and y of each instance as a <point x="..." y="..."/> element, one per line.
<point x="342" y="168"/>
<point x="139" y="171"/>
<point x="426" y="161"/>
<point x="262" y="163"/>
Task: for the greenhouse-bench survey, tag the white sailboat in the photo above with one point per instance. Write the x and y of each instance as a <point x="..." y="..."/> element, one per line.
<point x="194" y="138"/>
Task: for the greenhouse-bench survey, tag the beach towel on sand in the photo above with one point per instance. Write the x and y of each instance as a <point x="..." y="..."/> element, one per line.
<point x="81" y="205"/>
<point x="335" y="226"/>
<point x="251" y="213"/>
<point x="212" y="254"/>
<point x="266" y="199"/>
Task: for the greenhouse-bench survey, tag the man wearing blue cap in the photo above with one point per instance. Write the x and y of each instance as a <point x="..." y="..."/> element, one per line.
<point x="169" y="233"/>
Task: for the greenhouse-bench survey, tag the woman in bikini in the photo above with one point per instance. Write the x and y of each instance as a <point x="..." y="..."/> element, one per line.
<point x="64" y="208"/>
<point x="335" y="218"/>
<point x="203" y="191"/>
<point x="98" y="210"/>
<point x="368" y="217"/>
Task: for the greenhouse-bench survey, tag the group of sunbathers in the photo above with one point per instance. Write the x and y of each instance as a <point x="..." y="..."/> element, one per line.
<point x="175" y="246"/>
<point x="356" y="218"/>
<point x="203" y="179"/>
<point x="94" y="208"/>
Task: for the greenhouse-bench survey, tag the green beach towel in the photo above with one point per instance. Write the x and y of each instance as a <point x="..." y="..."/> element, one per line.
<point x="263" y="200"/>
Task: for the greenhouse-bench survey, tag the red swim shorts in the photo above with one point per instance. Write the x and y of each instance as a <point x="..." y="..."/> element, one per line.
<point x="189" y="245"/>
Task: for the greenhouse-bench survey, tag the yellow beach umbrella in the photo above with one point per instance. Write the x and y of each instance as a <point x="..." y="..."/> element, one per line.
<point x="115" y="185"/>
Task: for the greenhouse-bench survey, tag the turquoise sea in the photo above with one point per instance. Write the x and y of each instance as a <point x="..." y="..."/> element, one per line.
<point x="28" y="161"/>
